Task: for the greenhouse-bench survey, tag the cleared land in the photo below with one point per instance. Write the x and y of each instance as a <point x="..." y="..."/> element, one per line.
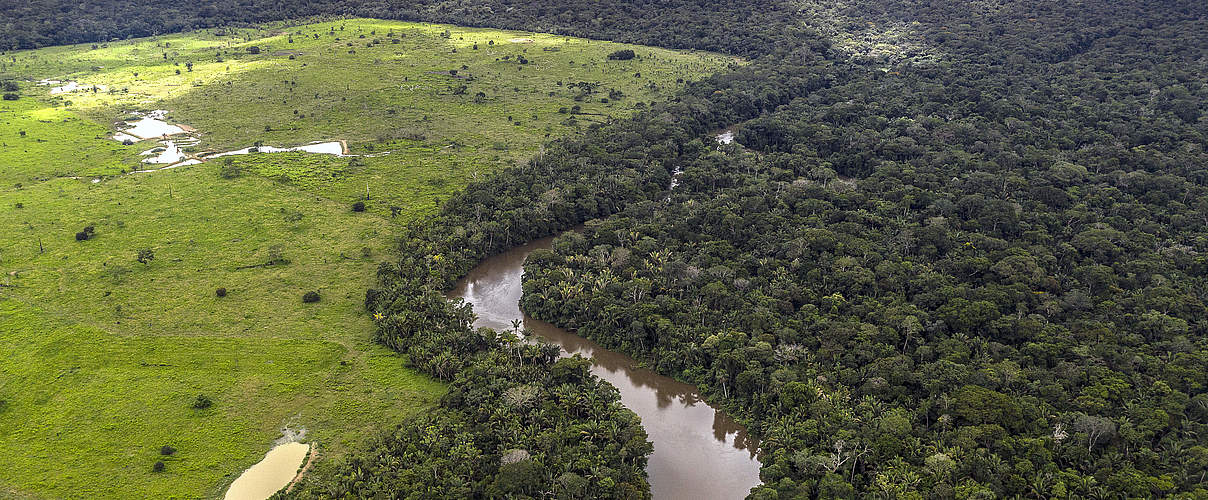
<point x="105" y="355"/>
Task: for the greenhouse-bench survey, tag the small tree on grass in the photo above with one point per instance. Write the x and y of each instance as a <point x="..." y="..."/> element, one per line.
<point x="145" y="256"/>
<point x="358" y="206"/>
<point x="11" y="97"/>
<point x="229" y="169"/>
<point x="167" y="450"/>
<point x="310" y="297"/>
<point x="86" y="234"/>
<point x="221" y="292"/>
<point x="622" y="55"/>
<point x="202" y="402"/>
<point x="158" y="467"/>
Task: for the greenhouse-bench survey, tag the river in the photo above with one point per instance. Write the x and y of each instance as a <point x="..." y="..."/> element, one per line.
<point x="699" y="452"/>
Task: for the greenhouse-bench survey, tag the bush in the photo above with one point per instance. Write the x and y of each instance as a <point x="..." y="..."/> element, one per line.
<point x="229" y="169"/>
<point x="310" y="297"/>
<point x="11" y="97"/>
<point x="253" y="49"/>
<point x="622" y="55"/>
<point x="202" y="402"/>
<point x="221" y="292"/>
<point x="145" y="256"/>
<point x="358" y="206"/>
<point x="86" y="234"/>
<point x="167" y="450"/>
<point x="10" y="86"/>
<point x="158" y="467"/>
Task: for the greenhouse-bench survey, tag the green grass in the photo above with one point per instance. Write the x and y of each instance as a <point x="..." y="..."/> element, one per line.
<point x="39" y="142"/>
<point x="104" y="354"/>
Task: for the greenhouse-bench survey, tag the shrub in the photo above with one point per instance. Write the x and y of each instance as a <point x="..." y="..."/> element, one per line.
<point x="167" y="450"/>
<point x="221" y="292"/>
<point x="145" y="256"/>
<point x="86" y="234"/>
<point x="358" y="206"/>
<point x="229" y="169"/>
<point x="622" y="55"/>
<point x="158" y="467"/>
<point x="310" y="297"/>
<point x="202" y="402"/>
<point x="253" y="49"/>
<point x="11" y="97"/>
<point x="11" y="86"/>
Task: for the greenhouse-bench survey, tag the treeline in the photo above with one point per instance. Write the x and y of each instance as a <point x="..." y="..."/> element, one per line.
<point x="728" y="27"/>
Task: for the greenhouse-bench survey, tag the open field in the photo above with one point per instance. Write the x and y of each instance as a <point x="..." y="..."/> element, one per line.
<point x="105" y="354"/>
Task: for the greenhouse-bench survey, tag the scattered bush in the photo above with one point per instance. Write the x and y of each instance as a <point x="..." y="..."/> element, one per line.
<point x="145" y="256"/>
<point x="220" y="292"/>
<point x="202" y="402"/>
<point x="310" y="297"/>
<point x="11" y="97"/>
<point x="86" y="234"/>
<point x="158" y="467"/>
<point x="622" y="55"/>
<point x="167" y="450"/>
<point x="10" y="86"/>
<point x="253" y="49"/>
<point x="229" y="169"/>
<point x="358" y="206"/>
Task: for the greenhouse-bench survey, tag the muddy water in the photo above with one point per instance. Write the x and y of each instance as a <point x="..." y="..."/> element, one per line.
<point x="699" y="453"/>
<point x="278" y="468"/>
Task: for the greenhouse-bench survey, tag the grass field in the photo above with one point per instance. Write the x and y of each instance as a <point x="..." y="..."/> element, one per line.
<point x="104" y="354"/>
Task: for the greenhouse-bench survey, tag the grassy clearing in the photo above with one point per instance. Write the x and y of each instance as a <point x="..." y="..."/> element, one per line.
<point x="39" y="141"/>
<point x="105" y="353"/>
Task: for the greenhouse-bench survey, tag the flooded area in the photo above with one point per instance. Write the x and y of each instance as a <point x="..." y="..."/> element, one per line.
<point x="69" y="87"/>
<point x="271" y="474"/>
<point x="335" y="148"/>
<point x="175" y="138"/>
<point x="699" y="452"/>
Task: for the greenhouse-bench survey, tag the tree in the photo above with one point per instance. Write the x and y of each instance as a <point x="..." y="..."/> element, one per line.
<point x="202" y="402"/>
<point x="310" y="297"/>
<point x="1095" y="428"/>
<point x="86" y="234"/>
<point x="622" y="55"/>
<point x="145" y="256"/>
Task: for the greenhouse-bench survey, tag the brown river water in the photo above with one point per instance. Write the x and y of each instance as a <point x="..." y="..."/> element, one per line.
<point x="700" y="453"/>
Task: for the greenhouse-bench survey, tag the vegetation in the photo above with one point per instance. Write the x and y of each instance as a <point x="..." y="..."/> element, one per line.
<point x="279" y="226"/>
<point x="910" y="278"/>
<point x="748" y="28"/>
<point x="957" y="250"/>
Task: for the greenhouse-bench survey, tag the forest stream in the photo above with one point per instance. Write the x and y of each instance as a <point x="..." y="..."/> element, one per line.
<point x="699" y="451"/>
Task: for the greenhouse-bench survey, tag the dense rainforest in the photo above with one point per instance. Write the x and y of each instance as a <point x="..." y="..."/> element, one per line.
<point x="957" y="250"/>
<point x="732" y="27"/>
